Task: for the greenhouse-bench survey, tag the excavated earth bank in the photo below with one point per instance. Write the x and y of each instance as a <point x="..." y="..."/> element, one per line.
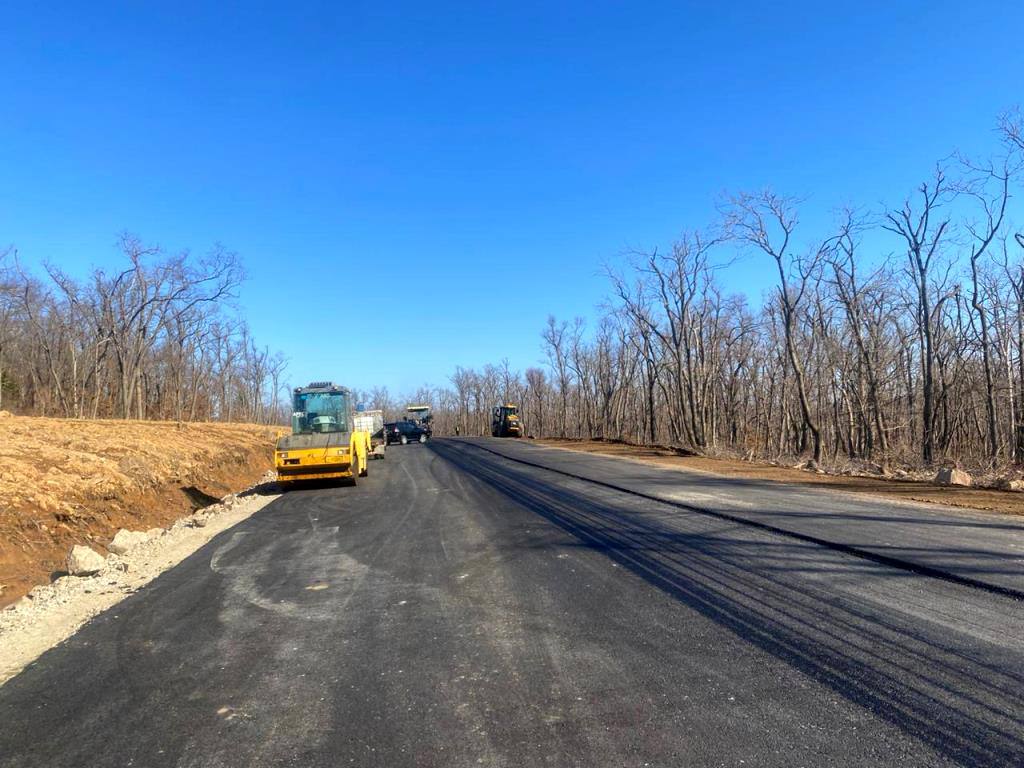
<point x="65" y="482"/>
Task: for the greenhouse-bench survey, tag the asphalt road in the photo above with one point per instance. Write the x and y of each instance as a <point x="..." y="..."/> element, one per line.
<point x="459" y="608"/>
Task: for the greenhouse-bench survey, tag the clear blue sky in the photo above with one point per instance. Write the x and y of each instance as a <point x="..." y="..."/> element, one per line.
<point x="467" y="166"/>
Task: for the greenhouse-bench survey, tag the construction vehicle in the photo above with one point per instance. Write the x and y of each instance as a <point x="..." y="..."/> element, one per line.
<point x="372" y="422"/>
<point x="421" y="415"/>
<point x="505" y="421"/>
<point x="325" y="443"/>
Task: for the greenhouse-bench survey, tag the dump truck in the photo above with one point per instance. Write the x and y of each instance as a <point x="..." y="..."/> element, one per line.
<point x="505" y="421"/>
<point x="325" y="443"/>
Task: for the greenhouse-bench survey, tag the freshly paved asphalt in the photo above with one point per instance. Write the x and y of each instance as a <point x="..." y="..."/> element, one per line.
<point x="974" y="547"/>
<point x="458" y="608"/>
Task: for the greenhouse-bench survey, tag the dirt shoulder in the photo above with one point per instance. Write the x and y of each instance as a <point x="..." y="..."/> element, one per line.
<point x="986" y="499"/>
<point x="65" y="482"/>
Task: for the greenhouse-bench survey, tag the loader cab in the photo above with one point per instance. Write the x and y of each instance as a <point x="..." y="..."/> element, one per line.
<point x="504" y="412"/>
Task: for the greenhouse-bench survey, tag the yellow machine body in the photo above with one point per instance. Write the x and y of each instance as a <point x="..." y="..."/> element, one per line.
<point x="505" y="421"/>
<point x="325" y="443"/>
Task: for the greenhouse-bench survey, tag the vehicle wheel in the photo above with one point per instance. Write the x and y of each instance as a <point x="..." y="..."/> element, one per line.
<point x="405" y="440"/>
<point x="423" y="438"/>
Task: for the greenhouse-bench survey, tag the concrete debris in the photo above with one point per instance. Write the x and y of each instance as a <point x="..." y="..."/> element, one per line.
<point x="83" y="561"/>
<point x="125" y="540"/>
<point x="953" y="476"/>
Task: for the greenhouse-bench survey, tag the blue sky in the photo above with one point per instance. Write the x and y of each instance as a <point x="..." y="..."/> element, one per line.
<point x="451" y="173"/>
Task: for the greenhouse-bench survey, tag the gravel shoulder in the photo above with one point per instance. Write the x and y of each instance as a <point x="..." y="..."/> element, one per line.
<point x="51" y="613"/>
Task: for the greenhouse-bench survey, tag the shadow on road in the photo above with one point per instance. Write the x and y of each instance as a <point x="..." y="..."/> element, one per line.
<point x="954" y="693"/>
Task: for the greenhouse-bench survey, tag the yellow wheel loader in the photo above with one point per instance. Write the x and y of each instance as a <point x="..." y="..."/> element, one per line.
<point x="505" y="421"/>
<point x="325" y="443"/>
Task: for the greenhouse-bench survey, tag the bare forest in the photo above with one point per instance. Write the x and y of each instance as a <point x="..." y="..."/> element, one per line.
<point x="895" y="337"/>
<point x="155" y="339"/>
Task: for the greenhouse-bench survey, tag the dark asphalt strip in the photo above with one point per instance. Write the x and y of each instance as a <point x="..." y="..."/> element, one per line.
<point x="956" y="697"/>
<point x="848" y="549"/>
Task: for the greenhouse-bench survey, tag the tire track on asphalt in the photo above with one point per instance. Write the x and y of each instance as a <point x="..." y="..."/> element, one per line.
<point x="854" y="551"/>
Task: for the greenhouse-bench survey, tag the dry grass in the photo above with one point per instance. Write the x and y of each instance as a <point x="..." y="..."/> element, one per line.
<point x="64" y="482"/>
<point x="986" y="499"/>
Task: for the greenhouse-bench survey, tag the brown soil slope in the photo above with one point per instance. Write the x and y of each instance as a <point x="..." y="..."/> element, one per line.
<point x="65" y="482"/>
<point x="987" y="499"/>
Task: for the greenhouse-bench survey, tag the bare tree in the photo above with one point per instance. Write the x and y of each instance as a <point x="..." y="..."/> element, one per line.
<point x="767" y="221"/>
<point x="922" y="230"/>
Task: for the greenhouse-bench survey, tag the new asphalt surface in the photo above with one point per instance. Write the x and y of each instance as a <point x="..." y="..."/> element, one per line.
<point x="475" y="602"/>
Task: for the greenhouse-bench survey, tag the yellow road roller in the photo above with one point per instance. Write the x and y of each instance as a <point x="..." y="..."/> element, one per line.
<point x="325" y="443"/>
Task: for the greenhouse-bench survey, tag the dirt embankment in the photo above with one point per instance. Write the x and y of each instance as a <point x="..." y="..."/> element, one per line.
<point x="987" y="499"/>
<point x="66" y="482"/>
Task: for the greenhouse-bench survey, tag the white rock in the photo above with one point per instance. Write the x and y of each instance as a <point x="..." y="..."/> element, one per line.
<point x="1007" y="484"/>
<point x="952" y="476"/>
<point x="83" y="561"/>
<point x="155" y="532"/>
<point x="125" y="540"/>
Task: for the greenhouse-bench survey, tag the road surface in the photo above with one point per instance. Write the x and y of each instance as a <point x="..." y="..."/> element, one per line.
<point x="460" y="607"/>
